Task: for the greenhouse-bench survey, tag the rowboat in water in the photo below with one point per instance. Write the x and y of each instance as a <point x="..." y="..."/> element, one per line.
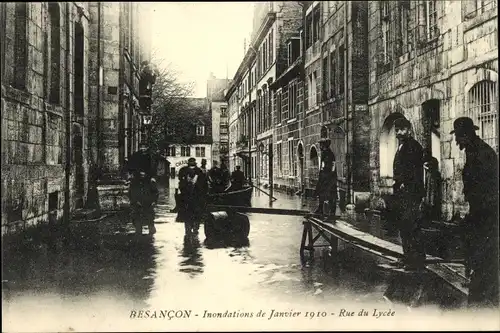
<point x="232" y="198"/>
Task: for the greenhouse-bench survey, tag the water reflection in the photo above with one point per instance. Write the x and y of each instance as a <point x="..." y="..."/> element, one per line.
<point x="237" y="243"/>
<point x="76" y="269"/>
<point x="193" y="262"/>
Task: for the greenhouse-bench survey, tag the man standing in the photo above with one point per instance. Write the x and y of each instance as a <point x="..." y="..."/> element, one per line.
<point x="190" y="207"/>
<point x="215" y="177"/>
<point x="409" y="190"/>
<point x="143" y="160"/>
<point x="480" y="178"/>
<point x="326" y="188"/>
<point x="237" y="178"/>
<point x="143" y="195"/>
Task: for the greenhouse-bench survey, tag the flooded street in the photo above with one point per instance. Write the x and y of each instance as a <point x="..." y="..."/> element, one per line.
<point x="184" y="283"/>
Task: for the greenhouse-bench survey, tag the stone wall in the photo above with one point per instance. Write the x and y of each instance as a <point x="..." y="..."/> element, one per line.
<point x="34" y="131"/>
<point x="444" y="69"/>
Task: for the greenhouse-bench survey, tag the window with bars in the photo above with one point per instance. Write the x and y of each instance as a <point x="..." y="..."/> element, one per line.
<point x="402" y="40"/>
<point x="475" y="7"/>
<point x="431" y="19"/>
<point x="385" y="18"/>
<point x="200" y="130"/>
<point x="171" y="151"/>
<point x="483" y="109"/>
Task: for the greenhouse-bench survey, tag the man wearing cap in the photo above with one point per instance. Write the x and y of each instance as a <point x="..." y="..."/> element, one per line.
<point x="409" y="190"/>
<point x="326" y="188"/>
<point x="480" y="179"/>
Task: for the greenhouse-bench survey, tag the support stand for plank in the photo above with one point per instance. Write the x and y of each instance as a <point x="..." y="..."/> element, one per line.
<point x="309" y="239"/>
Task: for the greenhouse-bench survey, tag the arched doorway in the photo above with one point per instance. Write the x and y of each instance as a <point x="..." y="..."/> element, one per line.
<point x="387" y="149"/>
<point x="313" y="166"/>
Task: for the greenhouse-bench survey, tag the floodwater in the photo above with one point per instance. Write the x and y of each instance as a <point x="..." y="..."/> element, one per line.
<point x="115" y="282"/>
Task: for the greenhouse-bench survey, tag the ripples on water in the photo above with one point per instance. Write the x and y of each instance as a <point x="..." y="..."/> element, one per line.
<point x="121" y="272"/>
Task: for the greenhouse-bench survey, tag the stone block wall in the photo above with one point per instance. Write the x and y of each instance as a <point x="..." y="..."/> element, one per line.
<point x="445" y="69"/>
<point x="34" y="136"/>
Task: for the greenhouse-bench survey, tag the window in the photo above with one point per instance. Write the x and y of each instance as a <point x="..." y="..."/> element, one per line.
<point x="200" y="151"/>
<point x="280" y="158"/>
<point x="171" y="151"/>
<point x="341" y="69"/>
<point x="271" y="46"/>
<point x="316" y="91"/>
<point x="20" y="46"/>
<point x="292" y="100"/>
<point x="200" y="130"/>
<point x="185" y="151"/>
<point x="316" y="19"/>
<point x="431" y="19"/>
<point x="402" y="40"/>
<point x="325" y="80"/>
<point x="474" y="7"/>
<point x="55" y="53"/>
<point x="309" y="31"/>
<point x="483" y="109"/>
<point x="223" y="111"/>
<point x="386" y="31"/>
<point x="291" y="159"/>
<point x="333" y="73"/>
<point x="278" y="107"/>
<point x="79" y="68"/>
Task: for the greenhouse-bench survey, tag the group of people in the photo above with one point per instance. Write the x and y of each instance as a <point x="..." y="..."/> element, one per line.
<point x="416" y="199"/>
<point x="480" y="188"/>
<point x="196" y="183"/>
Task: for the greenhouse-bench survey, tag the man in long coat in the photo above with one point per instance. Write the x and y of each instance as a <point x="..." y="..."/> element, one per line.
<point x="326" y="188"/>
<point x="480" y="178"/>
<point x="409" y="190"/>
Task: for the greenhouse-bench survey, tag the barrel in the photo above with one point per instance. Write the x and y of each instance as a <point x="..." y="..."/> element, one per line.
<point x="222" y="224"/>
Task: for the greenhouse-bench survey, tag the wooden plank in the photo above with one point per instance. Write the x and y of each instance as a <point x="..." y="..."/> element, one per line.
<point x="264" y="210"/>
<point x="391" y="251"/>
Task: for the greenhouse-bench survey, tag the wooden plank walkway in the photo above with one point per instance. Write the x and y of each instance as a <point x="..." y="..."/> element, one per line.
<point x="263" y="210"/>
<point x="444" y="269"/>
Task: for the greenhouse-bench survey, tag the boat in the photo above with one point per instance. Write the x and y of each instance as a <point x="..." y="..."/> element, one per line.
<point x="241" y="197"/>
<point x="230" y="198"/>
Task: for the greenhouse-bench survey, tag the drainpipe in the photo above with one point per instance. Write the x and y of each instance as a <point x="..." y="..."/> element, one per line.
<point x="99" y="78"/>
<point x="346" y="105"/>
<point x="67" y="168"/>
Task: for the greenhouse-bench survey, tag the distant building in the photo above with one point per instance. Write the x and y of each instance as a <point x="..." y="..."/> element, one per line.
<point x="189" y="135"/>
<point x="217" y="104"/>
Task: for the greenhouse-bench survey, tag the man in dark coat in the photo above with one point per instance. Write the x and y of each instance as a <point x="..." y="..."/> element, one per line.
<point x="143" y="160"/>
<point x="326" y="188"/>
<point x="191" y="187"/>
<point x="237" y="178"/>
<point x="409" y="190"/>
<point x="480" y="178"/>
<point x="216" y="178"/>
<point x="143" y="195"/>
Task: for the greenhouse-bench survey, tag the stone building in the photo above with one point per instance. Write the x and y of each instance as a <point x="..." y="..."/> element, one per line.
<point x="289" y="164"/>
<point x="337" y="50"/>
<point x="431" y="62"/>
<point x="217" y="104"/>
<point x="44" y="97"/>
<point x="60" y="97"/>
<point x="265" y="60"/>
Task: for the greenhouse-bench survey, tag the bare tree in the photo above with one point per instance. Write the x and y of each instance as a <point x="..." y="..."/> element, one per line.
<point x="169" y="100"/>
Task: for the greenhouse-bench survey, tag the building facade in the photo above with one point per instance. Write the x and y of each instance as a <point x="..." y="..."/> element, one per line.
<point x="431" y="62"/>
<point x="265" y="60"/>
<point x="59" y="86"/>
<point x="218" y="107"/>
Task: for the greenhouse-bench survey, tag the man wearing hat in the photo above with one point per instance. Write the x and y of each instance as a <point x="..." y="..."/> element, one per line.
<point x="190" y="178"/>
<point x="326" y="188"/>
<point x="480" y="179"/>
<point x="409" y="190"/>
